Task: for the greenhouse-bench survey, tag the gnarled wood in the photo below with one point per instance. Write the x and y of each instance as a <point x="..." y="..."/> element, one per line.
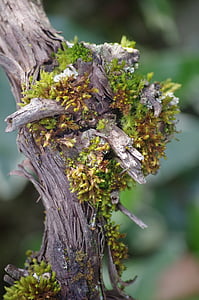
<point x="26" y="43"/>
<point x="71" y="244"/>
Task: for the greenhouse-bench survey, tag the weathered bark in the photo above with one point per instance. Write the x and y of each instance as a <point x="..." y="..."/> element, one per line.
<point x="71" y="243"/>
<point x="26" y="43"/>
<point x="77" y="232"/>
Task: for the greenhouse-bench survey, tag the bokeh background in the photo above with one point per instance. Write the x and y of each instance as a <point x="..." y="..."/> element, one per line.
<point x="165" y="256"/>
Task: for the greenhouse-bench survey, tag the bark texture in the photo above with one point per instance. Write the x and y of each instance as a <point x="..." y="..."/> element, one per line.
<point x="112" y="120"/>
<point x="27" y="41"/>
<point x="75" y="234"/>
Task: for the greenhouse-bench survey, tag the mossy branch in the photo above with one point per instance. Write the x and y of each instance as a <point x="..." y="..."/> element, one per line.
<point x="90" y="126"/>
<point x="36" y="110"/>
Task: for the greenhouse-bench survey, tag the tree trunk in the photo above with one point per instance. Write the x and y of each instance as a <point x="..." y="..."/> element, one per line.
<point x="69" y="245"/>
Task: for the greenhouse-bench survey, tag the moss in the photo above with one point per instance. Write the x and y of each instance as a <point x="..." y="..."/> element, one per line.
<point x="94" y="173"/>
<point x="48" y="130"/>
<point x="119" y="250"/>
<point x="93" y="178"/>
<point x="127" y="43"/>
<point x="151" y="133"/>
<point x="101" y="124"/>
<point x="71" y="95"/>
<point x="41" y="284"/>
<point x="86" y="273"/>
<point x="126" y="86"/>
<point x="67" y="91"/>
<point x="69" y="55"/>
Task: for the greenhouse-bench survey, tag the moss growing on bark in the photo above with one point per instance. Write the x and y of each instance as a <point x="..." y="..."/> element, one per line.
<point x="40" y="283"/>
<point x="144" y="110"/>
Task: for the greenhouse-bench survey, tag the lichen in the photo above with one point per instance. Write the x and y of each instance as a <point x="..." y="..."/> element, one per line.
<point x="40" y="283"/>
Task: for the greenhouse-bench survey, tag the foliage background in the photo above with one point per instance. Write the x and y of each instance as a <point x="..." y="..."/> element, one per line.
<point x="164" y="256"/>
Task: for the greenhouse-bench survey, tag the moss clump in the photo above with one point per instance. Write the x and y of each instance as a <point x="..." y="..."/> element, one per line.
<point x="48" y="130"/>
<point x="72" y="95"/>
<point x="41" y="284"/>
<point x="69" y="55"/>
<point x="126" y="85"/>
<point x="69" y="92"/>
<point x="127" y="44"/>
<point x="119" y="250"/>
<point x="151" y="133"/>
<point x="145" y="111"/>
<point x="93" y="178"/>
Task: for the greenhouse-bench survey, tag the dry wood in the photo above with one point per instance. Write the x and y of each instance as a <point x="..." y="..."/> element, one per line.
<point x="36" y="110"/>
<point x="26" y="44"/>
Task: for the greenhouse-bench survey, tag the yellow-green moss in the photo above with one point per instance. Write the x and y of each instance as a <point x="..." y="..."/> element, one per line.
<point x="151" y="133"/>
<point x="47" y="131"/>
<point x="93" y="178"/>
<point x="95" y="173"/>
<point x="126" y="86"/>
<point x="69" y="55"/>
<point x="71" y="95"/>
<point x="127" y="43"/>
<point x="41" y="284"/>
<point x="67" y="92"/>
<point x="119" y="250"/>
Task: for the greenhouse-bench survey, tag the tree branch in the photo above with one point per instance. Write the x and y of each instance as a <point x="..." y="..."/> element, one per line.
<point x="94" y="119"/>
<point x="36" y="110"/>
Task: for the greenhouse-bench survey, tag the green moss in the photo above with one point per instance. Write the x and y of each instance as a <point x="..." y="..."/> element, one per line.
<point x="47" y="131"/>
<point x="71" y="95"/>
<point x="69" y="55"/>
<point x="127" y="43"/>
<point x="149" y="132"/>
<point x="94" y="173"/>
<point x="101" y="124"/>
<point x="126" y="86"/>
<point x="68" y="93"/>
<point x="41" y="284"/>
<point x="119" y="250"/>
<point x="39" y="89"/>
<point x="93" y="178"/>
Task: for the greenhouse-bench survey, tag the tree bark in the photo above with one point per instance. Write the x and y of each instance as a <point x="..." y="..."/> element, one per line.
<point x="27" y="41"/>
<point x="118" y="121"/>
<point x="75" y="234"/>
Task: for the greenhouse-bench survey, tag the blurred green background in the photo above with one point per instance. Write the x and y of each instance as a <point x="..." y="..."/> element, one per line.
<point x="165" y="255"/>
